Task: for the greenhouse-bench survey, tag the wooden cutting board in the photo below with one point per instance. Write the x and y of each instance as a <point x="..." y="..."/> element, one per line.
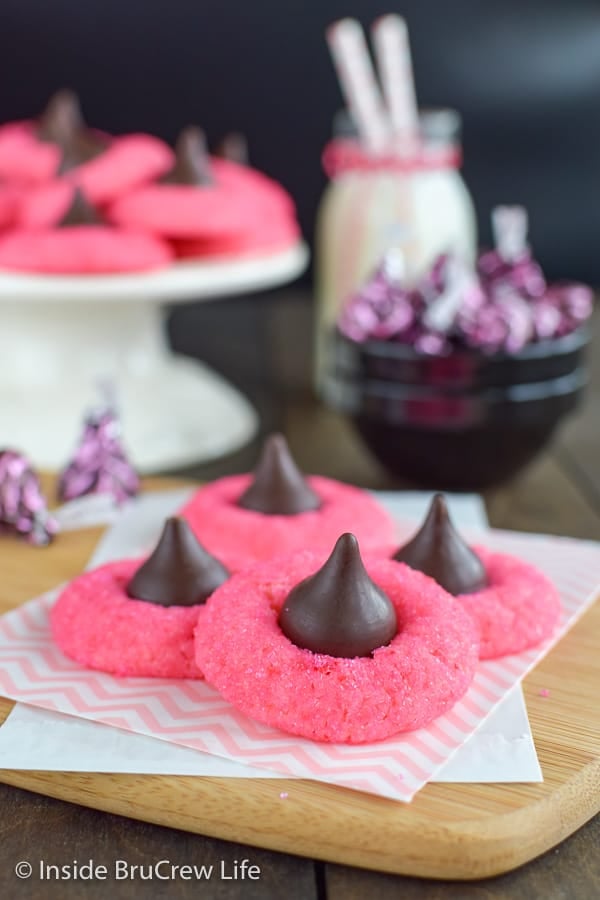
<point x="448" y="831"/>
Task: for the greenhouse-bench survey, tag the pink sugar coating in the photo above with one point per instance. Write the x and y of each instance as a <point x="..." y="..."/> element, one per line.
<point x="95" y="623"/>
<point x="271" y="235"/>
<point x="240" y="201"/>
<point x="82" y="250"/>
<point x="262" y="189"/>
<point x="424" y="670"/>
<point x="127" y="163"/>
<point x="45" y="205"/>
<point x="23" y="158"/>
<point x="519" y="609"/>
<point x="226" y="529"/>
<point x="184" y="211"/>
<point x="9" y="201"/>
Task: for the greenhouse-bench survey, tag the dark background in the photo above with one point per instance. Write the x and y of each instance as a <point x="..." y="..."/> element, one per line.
<point x="524" y="73"/>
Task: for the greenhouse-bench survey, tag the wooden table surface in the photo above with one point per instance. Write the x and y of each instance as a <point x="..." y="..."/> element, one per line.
<point x="262" y="344"/>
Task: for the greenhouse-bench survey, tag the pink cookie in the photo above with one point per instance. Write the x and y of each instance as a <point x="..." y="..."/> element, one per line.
<point x="44" y="206"/>
<point x="403" y="686"/>
<point x="519" y="609"/>
<point x="226" y="529"/>
<point x="184" y="211"/>
<point x="9" y="204"/>
<point x="95" y="623"/>
<point x="82" y="250"/>
<point x="269" y="237"/>
<point x="23" y="158"/>
<point x="235" y="204"/>
<point x="246" y="179"/>
<point x="127" y="163"/>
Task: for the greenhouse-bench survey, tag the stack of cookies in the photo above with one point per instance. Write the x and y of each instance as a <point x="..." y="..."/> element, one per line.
<point x="290" y="595"/>
<point x="74" y="200"/>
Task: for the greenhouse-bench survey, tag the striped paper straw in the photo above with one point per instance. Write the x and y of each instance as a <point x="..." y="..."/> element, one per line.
<point x="392" y="52"/>
<point x="359" y="86"/>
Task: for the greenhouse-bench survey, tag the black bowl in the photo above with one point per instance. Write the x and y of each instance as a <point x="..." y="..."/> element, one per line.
<point x="460" y="422"/>
<point x="463" y="369"/>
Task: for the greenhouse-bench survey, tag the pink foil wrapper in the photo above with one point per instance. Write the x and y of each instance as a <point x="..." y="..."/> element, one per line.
<point x="574" y="303"/>
<point x="505" y="325"/>
<point x="23" y="508"/>
<point x="510" y="266"/>
<point x="380" y="310"/>
<point x="523" y="275"/>
<point x="503" y="310"/>
<point x="100" y="464"/>
<point x="449" y="288"/>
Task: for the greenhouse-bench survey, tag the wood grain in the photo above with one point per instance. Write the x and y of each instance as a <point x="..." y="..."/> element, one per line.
<point x="568" y="872"/>
<point x="449" y="831"/>
<point x="37" y="828"/>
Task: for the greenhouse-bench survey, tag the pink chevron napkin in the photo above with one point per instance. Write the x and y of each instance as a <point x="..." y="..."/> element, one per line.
<point x="191" y="713"/>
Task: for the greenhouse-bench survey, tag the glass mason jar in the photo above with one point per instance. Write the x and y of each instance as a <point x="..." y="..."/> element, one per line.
<point x="418" y="202"/>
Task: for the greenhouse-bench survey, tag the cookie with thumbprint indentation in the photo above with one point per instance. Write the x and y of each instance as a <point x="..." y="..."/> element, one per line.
<point x="202" y="199"/>
<point x="393" y="650"/>
<point x="35" y="151"/>
<point x="513" y="605"/>
<point x="137" y="617"/>
<point x="59" y="144"/>
<point x="277" y="510"/>
<point x="127" y="163"/>
<point x="80" y="244"/>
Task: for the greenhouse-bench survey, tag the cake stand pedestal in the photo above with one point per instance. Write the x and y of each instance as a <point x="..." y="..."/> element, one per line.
<point x="59" y="336"/>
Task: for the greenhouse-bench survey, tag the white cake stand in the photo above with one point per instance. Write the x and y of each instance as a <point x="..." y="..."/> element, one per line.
<point x="60" y="335"/>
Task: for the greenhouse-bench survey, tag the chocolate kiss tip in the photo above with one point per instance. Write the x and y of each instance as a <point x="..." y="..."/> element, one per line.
<point x="64" y="101"/>
<point x="191" y="138"/>
<point x="64" y="96"/>
<point x="61" y="118"/>
<point x="339" y="611"/>
<point x="179" y="572"/>
<point x="80" y="212"/>
<point x="234" y="147"/>
<point x="278" y="486"/>
<point x="439" y="551"/>
<point x="191" y="159"/>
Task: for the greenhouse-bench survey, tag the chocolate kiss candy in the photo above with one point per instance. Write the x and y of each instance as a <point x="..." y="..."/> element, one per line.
<point x="234" y="147"/>
<point x="278" y="488"/>
<point x="100" y="464"/>
<point x="179" y="572"/>
<point x="438" y="550"/>
<point x="80" y="212"/>
<point x="191" y="160"/>
<point x="23" y="507"/>
<point x="62" y="123"/>
<point x="339" y="610"/>
<point x="61" y="120"/>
